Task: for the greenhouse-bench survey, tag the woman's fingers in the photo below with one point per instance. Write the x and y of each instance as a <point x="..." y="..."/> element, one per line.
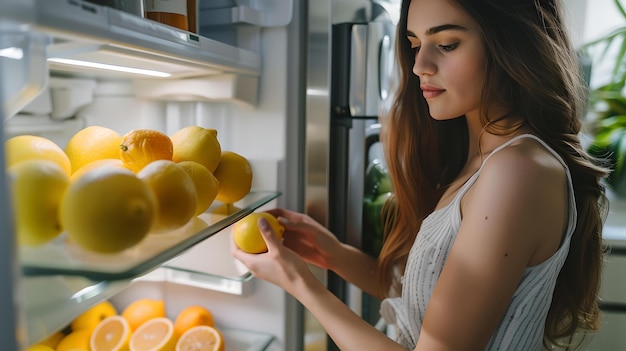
<point x="268" y="233"/>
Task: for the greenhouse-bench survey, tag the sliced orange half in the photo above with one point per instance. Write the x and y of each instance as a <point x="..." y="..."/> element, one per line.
<point x="112" y="334"/>
<point x="157" y="334"/>
<point x="201" y="338"/>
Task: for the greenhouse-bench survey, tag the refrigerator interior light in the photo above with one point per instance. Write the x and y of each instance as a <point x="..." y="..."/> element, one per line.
<point x="12" y="52"/>
<point x="111" y="59"/>
<point x="105" y="66"/>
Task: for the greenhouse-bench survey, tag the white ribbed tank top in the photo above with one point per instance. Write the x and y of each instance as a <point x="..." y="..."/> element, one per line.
<point x="522" y="326"/>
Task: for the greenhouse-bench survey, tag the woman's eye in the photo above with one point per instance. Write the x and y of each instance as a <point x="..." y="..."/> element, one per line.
<point x="415" y="48"/>
<point x="447" y="48"/>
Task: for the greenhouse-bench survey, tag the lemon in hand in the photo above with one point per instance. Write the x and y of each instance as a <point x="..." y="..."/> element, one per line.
<point x="37" y="187"/>
<point x="107" y="210"/>
<point x="235" y="176"/>
<point x="247" y="235"/>
<point x="175" y="194"/>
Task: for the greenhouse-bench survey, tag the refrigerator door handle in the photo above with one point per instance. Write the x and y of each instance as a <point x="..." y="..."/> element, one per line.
<point x="375" y="54"/>
<point x="371" y="47"/>
<point x="359" y="58"/>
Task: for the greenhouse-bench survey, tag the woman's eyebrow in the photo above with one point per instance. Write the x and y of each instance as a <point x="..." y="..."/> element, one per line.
<point x="438" y="29"/>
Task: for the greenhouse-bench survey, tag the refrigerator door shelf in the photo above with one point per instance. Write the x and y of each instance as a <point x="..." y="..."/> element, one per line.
<point x="61" y="257"/>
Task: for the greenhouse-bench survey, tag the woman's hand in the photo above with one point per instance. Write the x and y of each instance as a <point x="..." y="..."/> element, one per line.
<point x="279" y="265"/>
<point x="308" y="238"/>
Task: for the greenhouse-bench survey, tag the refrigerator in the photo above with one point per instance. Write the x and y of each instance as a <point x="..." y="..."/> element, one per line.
<point x="268" y="75"/>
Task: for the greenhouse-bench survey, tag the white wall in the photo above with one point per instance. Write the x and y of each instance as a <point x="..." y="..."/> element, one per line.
<point x="589" y="20"/>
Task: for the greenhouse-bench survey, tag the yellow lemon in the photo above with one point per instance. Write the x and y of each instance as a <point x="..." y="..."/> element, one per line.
<point x="91" y="144"/>
<point x="107" y="210"/>
<point x="53" y="340"/>
<point x="26" y="147"/>
<point x="139" y="147"/>
<point x="235" y="176"/>
<point x="192" y="316"/>
<point x="156" y="334"/>
<point x="201" y="338"/>
<point x="195" y="143"/>
<point x="247" y="235"/>
<point x="40" y="347"/>
<point x="106" y="162"/>
<point x="112" y="334"/>
<point x="205" y="183"/>
<point x="175" y="194"/>
<point x="37" y="188"/>
<point x="140" y="311"/>
<point x="93" y="316"/>
<point x="77" y="340"/>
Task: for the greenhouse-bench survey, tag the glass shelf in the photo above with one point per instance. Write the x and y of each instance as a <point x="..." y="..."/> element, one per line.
<point x="243" y="340"/>
<point x="61" y="257"/>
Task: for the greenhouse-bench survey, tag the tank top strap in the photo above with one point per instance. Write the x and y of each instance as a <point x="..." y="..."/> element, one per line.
<point x="571" y="199"/>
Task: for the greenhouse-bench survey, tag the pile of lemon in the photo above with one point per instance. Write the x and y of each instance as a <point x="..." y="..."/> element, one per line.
<point x="142" y="326"/>
<point x="109" y="191"/>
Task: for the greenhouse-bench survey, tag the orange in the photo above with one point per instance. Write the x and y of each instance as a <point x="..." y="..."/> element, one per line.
<point x="235" y="176"/>
<point x="93" y="316"/>
<point x="157" y="334"/>
<point x="25" y="147"/>
<point x="139" y="147"/>
<point x="192" y="316"/>
<point x="105" y="162"/>
<point x="77" y="340"/>
<point x="37" y="189"/>
<point x="142" y="310"/>
<point x="195" y="143"/>
<point x="107" y="210"/>
<point x="175" y="194"/>
<point x="205" y="183"/>
<point x="247" y="235"/>
<point x="201" y="338"/>
<point x="92" y="143"/>
<point x="111" y="334"/>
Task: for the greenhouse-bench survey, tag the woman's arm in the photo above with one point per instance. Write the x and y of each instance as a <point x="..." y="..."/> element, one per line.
<point x="513" y="217"/>
<point x="283" y="267"/>
<point x="318" y="246"/>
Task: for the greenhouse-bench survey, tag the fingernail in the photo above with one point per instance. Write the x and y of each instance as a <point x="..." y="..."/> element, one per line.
<point x="263" y="224"/>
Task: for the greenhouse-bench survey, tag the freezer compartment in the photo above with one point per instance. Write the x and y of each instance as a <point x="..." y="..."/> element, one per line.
<point x="92" y="38"/>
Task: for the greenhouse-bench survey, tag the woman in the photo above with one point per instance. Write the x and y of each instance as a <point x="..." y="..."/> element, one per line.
<point x="495" y="242"/>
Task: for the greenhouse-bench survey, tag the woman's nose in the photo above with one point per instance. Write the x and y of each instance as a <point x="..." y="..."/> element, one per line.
<point x="424" y="63"/>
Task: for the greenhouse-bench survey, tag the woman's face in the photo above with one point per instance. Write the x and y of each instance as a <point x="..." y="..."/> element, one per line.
<point x="449" y="58"/>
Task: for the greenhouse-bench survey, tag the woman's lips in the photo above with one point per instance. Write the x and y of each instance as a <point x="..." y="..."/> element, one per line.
<point x="431" y="92"/>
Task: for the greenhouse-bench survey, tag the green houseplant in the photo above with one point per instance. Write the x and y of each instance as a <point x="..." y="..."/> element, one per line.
<point x="608" y="103"/>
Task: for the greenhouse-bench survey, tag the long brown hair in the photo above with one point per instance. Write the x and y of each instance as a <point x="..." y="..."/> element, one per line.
<point x="531" y="65"/>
